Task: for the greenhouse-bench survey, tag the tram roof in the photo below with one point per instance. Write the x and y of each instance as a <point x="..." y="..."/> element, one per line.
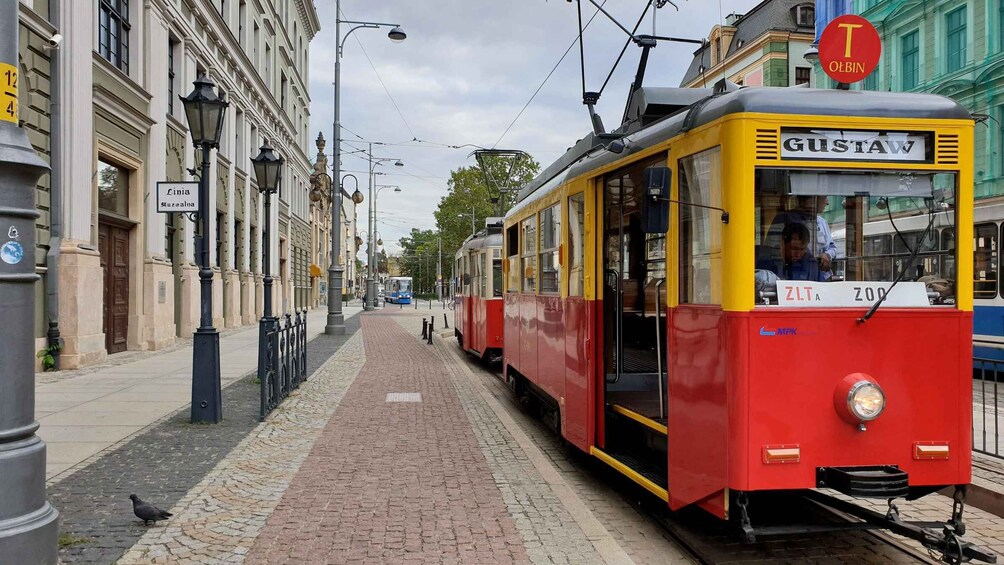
<point x="590" y="151"/>
<point x="480" y="240"/>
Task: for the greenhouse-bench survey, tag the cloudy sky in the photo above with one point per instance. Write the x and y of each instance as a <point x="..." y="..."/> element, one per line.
<point x="463" y="76"/>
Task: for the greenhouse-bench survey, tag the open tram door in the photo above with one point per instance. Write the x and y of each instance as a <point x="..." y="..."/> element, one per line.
<point x="634" y="401"/>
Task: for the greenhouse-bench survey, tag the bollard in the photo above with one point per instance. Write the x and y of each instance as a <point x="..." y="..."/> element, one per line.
<point x="416" y="304"/>
<point x="430" y="304"/>
<point x="400" y="305"/>
<point x="425" y="327"/>
<point x="432" y="325"/>
<point x="446" y="323"/>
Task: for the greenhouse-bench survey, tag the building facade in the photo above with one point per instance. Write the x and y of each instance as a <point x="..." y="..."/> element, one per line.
<point x="954" y="48"/>
<point x="107" y="101"/>
<point x="320" y="213"/>
<point x="764" y="47"/>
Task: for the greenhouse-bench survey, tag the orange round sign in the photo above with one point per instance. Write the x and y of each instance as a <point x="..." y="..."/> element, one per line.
<point x="849" y="48"/>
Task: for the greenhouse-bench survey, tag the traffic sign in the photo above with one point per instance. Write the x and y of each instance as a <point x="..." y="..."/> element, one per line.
<point x="177" y="197"/>
<point x="849" y="48"/>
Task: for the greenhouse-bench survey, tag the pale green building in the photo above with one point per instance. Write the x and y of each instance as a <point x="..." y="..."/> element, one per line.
<point x="950" y="47"/>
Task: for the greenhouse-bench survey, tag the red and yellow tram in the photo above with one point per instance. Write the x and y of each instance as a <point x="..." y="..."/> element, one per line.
<point x="652" y="304"/>
<point x="477" y="314"/>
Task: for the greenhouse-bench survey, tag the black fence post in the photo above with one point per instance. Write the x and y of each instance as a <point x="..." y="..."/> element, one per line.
<point x="432" y="326"/>
<point x="446" y="322"/>
<point x="425" y="328"/>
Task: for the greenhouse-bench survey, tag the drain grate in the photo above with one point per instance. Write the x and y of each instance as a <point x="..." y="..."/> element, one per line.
<point x="404" y="397"/>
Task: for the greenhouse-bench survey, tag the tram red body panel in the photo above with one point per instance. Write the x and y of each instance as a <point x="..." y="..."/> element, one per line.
<point x="699" y="402"/>
<point x="479" y="321"/>
<point x="555" y="352"/>
<point x="793" y="376"/>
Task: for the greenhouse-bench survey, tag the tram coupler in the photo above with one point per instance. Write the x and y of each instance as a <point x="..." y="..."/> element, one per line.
<point x="746" y="532"/>
<point x="425" y="328"/>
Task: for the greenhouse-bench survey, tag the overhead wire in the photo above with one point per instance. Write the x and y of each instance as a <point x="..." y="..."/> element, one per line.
<point x="384" y="85"/>
<point x="535" y="92"/>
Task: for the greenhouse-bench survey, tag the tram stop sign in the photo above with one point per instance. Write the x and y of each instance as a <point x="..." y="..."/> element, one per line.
<point x="849" y="48"/>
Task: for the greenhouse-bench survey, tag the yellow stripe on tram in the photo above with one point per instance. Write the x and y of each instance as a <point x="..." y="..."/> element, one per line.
<point x="648" y="423"/>
<point x="630" y="473"/>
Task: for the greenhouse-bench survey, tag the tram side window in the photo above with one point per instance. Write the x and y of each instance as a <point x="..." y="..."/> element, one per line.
<point x="475" y="262"/>
<point x="700" y="228"/>
<point x="496" y="276"/>
<point x="529" y="257"/>
<point x="483" y="278"/>
<point x="512" y="259"/>
<point x="985" y="261"/>
<point x="576" y="269"/>
<point x="550" y="230"/>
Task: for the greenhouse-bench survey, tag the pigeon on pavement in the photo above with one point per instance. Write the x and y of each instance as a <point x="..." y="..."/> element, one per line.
<point x="147" y="512"/>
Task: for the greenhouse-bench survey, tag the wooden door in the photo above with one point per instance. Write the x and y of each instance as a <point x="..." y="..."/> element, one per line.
<point x="113" y="243"/>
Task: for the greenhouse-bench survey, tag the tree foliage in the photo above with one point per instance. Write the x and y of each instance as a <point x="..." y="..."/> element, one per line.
<point x="468" y="194"/>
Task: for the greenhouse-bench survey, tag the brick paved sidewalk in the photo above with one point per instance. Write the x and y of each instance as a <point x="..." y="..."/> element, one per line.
<point x="342" y="475"/>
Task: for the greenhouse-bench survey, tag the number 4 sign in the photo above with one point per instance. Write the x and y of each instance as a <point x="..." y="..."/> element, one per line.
<point x="8" y="92"/>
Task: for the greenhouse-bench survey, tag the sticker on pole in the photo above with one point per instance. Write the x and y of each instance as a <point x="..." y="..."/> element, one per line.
<point x="8" y="92"/>
<point x="177" y="197"/>
<point x="849" y="48"/>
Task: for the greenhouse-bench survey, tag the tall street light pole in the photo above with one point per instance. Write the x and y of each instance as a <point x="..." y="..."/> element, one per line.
<point x="371" y="243"/>
<point x="336" y="319"/>
<point x="28" y="523"/>
<point x="205" y="110"/>
<point x="268" y="172"/>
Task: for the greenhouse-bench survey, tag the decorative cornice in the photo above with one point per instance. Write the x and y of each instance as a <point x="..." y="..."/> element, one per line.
<point x="36" y="23"/>
<point x="308" y="15"/>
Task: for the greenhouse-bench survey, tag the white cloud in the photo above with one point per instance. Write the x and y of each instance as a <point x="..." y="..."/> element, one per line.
<point x="466" y="70"/>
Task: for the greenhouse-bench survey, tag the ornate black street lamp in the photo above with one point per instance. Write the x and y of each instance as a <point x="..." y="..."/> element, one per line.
<point x="268" y="172"/>
<point x="204" y="110"/>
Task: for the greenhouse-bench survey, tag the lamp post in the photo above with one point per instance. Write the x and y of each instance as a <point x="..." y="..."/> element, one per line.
<point x="465" y="214"/>
<point x="371" y="255"/>
<point x="336" y="320"/>
<point x="268" y="172"/>
<point x="29" y="529"/>
<point x="205" y="110"/>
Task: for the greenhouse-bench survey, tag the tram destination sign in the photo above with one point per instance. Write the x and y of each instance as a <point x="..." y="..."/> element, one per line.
<point x="853" y="145"/>
<point x="177" y="196"/>
<point x="849" y="48"/>
<point x="850" y="293"/>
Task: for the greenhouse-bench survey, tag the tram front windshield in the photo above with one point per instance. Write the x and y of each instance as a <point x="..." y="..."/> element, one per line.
<point x="402" y="285"/>
<point x="839" y="226"/>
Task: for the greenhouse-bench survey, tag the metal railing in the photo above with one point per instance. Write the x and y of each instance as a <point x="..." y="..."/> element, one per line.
<point x="282" y="358"/>
<point x="987" y="406"/>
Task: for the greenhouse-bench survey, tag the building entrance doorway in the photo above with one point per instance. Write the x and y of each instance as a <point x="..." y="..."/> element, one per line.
<point x="113" y="243"/>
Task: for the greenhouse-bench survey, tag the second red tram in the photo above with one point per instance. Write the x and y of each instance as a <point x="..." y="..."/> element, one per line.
<point x="662" y="304"/>
<point x="477" y="315"/>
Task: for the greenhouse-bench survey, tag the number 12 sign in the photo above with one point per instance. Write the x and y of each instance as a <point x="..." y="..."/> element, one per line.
<point x="8" y="92"/>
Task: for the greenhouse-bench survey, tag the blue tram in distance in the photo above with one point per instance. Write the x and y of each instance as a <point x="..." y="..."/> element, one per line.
<point x="399" y="290"/>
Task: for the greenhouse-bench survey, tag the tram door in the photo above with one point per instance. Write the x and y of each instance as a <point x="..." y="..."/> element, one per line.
<point x="634" y="265"/>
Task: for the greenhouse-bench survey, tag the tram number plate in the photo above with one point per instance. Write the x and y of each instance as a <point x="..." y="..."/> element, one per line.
<point x="850" y="293"/>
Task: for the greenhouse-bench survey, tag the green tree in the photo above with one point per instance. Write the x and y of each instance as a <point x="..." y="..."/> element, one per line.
<point x="419" y="256"/>
<point x="470" y="193"/>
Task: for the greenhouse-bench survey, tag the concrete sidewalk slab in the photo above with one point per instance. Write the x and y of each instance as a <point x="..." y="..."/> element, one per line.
<point x="82" y="415"/>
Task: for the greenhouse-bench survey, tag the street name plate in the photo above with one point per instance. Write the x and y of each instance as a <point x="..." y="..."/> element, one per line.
<point x="177" y="197"/>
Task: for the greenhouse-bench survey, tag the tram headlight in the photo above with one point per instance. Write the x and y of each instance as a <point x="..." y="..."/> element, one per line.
<point x="866" y="400"/>
<point x="858" y="398"/>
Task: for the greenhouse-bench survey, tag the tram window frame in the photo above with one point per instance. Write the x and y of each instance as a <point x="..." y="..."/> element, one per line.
<point x="550" y="237"/>
<point x="947" y="239"/>
<point x="576" y="244"/>
<point x="989" y="288"/>
<point x="701" y="233"/>
<point x="497" y="277"/>
<point x="528" y="257"/>
<point x="475" y="264"/>
<point x="483" y="278"/>
<point x="512" y="275"/>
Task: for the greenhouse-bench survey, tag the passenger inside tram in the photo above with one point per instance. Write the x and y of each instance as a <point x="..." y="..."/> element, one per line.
<point x="887" y="227"/>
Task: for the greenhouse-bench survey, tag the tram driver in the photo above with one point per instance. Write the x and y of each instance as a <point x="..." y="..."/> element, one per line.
<point x="795" y="262"/>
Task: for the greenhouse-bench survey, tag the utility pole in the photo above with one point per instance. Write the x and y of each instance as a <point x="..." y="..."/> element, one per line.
<point x="28" y="523"/>
<point x="439" y="270"/>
